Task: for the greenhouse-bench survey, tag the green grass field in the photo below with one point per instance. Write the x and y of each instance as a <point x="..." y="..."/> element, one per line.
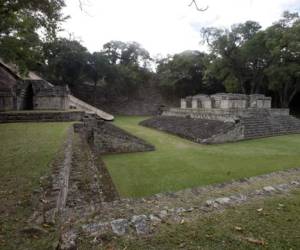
<point x="26" y="149"/>
<point x="178" y="163"/>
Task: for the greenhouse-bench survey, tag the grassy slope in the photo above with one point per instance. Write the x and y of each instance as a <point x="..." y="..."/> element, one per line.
<point x="26" y="149"/>
<point x="246" y="227"/>
<point x="178" y="163"/>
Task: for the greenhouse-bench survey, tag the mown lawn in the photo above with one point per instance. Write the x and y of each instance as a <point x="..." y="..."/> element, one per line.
<point x="26" y="149"/>
<point x="178" y="163"/>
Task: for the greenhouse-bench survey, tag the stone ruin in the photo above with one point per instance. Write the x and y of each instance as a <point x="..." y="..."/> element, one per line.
<point x="226" y="101"/>
<point x="252" y="115"/>
<point x="31" y="92"/>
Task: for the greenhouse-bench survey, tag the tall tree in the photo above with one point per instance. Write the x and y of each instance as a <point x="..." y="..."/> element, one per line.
<point x="233" y="52"/>
<point x="130" y="53"/>
<point x="97" y="69"/>
<point x="183" y="74"/>
<point x="283" y="42"/>
<point x="23" y="26"/>
<point x="65" y="61"/>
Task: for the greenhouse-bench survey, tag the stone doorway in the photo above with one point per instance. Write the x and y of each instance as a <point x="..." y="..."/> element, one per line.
<point x="28" y="98"/>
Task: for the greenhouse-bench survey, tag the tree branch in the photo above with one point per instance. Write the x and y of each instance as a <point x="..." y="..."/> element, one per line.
<point x="197" y="8"/>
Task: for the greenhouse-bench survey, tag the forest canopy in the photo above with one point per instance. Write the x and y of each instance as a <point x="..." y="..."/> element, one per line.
<point x="241" y="59"/>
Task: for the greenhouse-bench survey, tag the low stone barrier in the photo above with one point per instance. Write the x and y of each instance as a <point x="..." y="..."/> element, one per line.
<point x="107" y="138"/>
<point x="41" y="116"/>
<point x="223" y="114"/>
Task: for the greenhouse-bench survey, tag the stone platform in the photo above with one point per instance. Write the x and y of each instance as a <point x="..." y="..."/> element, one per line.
<point x="252" y="116"/>
<point x="230" y="115"/>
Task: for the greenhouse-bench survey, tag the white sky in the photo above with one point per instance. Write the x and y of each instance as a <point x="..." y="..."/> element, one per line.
<point x="163" y="26"/>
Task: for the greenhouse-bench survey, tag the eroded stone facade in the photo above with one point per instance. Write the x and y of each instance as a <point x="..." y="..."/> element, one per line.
<point x="226" y="101"/>
<point x="30" y="93"/>
<point x="251" y="115"/>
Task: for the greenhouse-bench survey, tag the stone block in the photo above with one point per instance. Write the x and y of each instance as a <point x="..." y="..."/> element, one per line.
<point x="183" y="104"/>
<point x="195" y="103"/>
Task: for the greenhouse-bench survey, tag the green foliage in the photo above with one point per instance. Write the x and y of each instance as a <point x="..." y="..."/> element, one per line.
<point x="119" y="69"/>
<point x="65" y="61"/>
<point x="237" y="55"/>
<point x="243" y="59"/>
<point x="231" y="84"/>
<point x="183" y="74"/>
<point x="283" y="42"/>
<point x="250" y="60"/>
<point x="23" y="26"/>
<point x="130" y="53"/>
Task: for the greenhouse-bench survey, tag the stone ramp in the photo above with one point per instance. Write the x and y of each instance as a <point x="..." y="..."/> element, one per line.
<point x="81" y="105"/>
<point x="263" y="126"/>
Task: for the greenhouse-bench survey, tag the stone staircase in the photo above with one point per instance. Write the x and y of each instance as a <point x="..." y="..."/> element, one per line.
<point x="267" y="125"/>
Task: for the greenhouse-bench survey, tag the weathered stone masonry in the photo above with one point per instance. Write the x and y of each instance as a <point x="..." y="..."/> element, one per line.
<point x="30" y="93"/>
<point x="252" y="115"/>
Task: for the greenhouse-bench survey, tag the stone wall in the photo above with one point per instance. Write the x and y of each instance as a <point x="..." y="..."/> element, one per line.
<point x="47" y="96"/>
<point x="40" y="116"/>
<point x="30" y="93"/>
<point x="197" y="130"/>
<point x="7" y="102"/>
<point x="223" y="114"/>
<point x="226" y="101"/>
<point x="235" y="134"/>
<point x="250" y="123"/>
<point x="7" y="86"/>
<point x="51" y="102"/>
<point x="107" y="138"/>
<point x="199" y="127"/>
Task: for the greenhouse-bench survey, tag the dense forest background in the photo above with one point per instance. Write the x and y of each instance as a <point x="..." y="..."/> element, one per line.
<point x="243" y="59"/>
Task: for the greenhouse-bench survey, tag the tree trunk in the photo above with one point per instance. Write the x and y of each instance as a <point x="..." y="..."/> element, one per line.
<point x="95" y="92"/>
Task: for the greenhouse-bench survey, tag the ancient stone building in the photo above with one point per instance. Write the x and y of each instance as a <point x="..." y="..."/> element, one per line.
<point x="226" y="101"/>
<point x="30" y="92"/>
<point x="34" y="93"/>
<point x="8" y="83"/>
<point x="252" y="115"/>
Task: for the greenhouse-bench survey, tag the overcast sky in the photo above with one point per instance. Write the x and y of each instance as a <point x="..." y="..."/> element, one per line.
<point x="163" y="26"/>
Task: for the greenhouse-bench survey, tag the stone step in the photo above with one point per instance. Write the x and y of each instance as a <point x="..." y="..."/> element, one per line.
<point x="259" y="126"/>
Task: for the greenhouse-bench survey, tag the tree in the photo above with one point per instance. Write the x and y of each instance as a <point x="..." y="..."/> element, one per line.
<point x="130" y="53"/>
<point x="183" y="74"/>
<point x="65" y="61"/>
<point x="250" y="60"/>
<point x="23" y="26"/>
<point x="238" y="56"/>
<point x="196" y="6"/>
<point x="283" y="42"/>
<point x="97" y="69"/>
<point x="130" y="66"/>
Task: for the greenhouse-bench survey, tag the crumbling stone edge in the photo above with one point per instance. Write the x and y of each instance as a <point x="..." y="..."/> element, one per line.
<point x="146" y="223"/>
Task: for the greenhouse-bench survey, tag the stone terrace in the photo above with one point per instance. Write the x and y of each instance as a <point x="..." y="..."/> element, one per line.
<point x="252" y="115"/>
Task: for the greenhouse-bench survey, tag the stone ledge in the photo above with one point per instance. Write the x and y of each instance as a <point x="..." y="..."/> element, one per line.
<point x="40" y="116"/>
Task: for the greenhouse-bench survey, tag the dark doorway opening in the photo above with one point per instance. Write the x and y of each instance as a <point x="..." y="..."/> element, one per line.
<point x="295" y="105"/>
<point x="28" y="98"/>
